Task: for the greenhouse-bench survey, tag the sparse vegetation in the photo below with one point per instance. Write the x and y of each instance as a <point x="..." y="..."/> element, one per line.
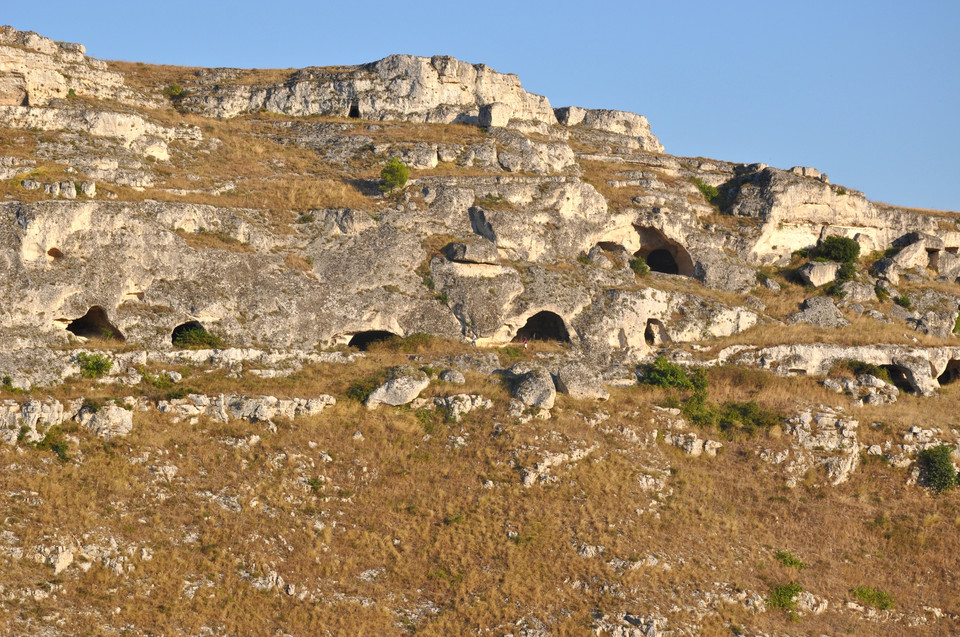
<point x="710" y="193"/>
<point x="639" y="266"/>
<point x="93" y="365"/>
<point x="873" y="596"/>
<point x="789" y="560"/>
<point x="197" y="338"/>
<point x="903" y="301"/>
<point x="784" y="597"/>
<point x="394" y="175"/>
<point x="936" y="468"/>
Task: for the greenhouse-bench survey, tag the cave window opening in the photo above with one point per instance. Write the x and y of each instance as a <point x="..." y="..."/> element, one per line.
<point x="655" y="333"/>
<point x="899" y="378"/>
<point x="95" y="324"/>
<point x="543" y="326"/>
<point x="363" y="340"/>
<point x="193" y="334"/>
<point x="662" y="261"/>
<point x="951" y="374"/>
<point x="54" y="254"/>
<point x="354" y="110"/>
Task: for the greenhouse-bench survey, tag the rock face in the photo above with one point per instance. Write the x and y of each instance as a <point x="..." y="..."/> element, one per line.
<point x="535" y="388"/>
<point x="400" y="87"/>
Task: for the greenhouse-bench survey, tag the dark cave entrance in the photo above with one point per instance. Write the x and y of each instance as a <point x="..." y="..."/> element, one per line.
<point x="543" y="326"/>
<point x="656" y="332"/>
<point x="188" y="334"/>
<point x="95" y="324"/>
<point x="662" y="254"/>
<point x="54" y="254"/>
<point x="662" y="261"/>
<point x="363" y="340"/>
<point x="354" y="110"/>
<point x="899" y="378"/>
<point x="951" y="374"/>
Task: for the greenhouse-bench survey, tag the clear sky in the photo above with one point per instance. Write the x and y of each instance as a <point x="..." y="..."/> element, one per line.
<point x="866" y="91"/>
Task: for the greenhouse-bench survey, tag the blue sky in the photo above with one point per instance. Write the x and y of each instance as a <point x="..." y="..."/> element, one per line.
<point x="868" y="92"/>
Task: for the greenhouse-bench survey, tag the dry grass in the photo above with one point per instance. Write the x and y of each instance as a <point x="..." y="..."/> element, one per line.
<point x="407" y="502"/>
<point x="598" y="173"/>
<point x="213" y="241"/>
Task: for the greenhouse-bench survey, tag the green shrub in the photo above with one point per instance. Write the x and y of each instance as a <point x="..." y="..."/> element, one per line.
<point x="847" y="271"/>
<point x="174" y="92"/>
<point x="93" y="365"/>
<point x="53" y="440"/>
<point x="936" y="468"/>
<point x="748" y="417"/>
<point x="361" y="388"/>
<point x="394" y="175"/>
<point x="903" y="301"/>
<point x="789" y="560"/>
<point x="839" y="249"/>
<point x="663" y="373"/>
<point x="306" y="217"/>
<point x="783" y="597"/>
<point x="857" y="368"/>
<point x="881" y="292"/>
<point x="873" y="596"/>
<point x="709" y="192"/>
<point x="639" y="266"/>
<point x="583" y="259"/>
<point x="197" y="338"/>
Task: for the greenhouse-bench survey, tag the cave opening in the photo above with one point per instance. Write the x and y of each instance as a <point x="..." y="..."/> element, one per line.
<point x="354" y="110"/>
<point x="543" y="326"/>
<point x="363" y="340"/>
<point x="951" y="374"/>
<point x="662" y="254"/>
<point x="899" y="378"/>
<point x="655" y="333"/>
<point x="95" y="324"/>
<point x="662" y="261"/>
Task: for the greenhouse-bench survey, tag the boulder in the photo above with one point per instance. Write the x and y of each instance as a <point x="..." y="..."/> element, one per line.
<point x="109" y="421"/>
<point x="913" y="256"/>
<point x="484" y="252"/>
<point x="856" y="292"/>
<point x="404" y="385"/>
<point x="452" y="376"/>
<point x="819" y="311"/>
<point x="535" y="388"/>
<point x="888" y="269"/>
<point x="580" y="382"/>
<point x="817" y="273"/>
<point x="496" y="114"/>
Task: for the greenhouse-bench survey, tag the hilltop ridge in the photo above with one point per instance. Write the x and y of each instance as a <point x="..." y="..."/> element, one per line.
<point x="511" y="395"/>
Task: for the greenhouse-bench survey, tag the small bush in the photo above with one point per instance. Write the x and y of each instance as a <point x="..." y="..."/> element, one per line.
<point x="306" y="217"/>
<point x="936" y="468"/>
<point x="903" y="301"/>
<point x="639" y="266"/>
<point x="857" y="368"/>
<point x="847" y="271"/>
<point x="748" y="417"/>
<point x="789" y="560"/>
<point x="394" y="175"/>
<point x="53" y="440"/>
<point x="709" y="192"/>
<point x="583" y="259"/>
<point x="361" y="389"/>
<point x="783" y="597"/>
<point x="663" y="373"/>
<point x="882" y="294"/>
<point x="93" y="365"/>
<point x="839" y="249"/>
<point x="197" y="338"/>
<point x="873" y="596"/>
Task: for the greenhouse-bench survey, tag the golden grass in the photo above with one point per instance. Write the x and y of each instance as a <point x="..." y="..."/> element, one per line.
<point x="213" y="241"/>
<point x="418" y="511"/>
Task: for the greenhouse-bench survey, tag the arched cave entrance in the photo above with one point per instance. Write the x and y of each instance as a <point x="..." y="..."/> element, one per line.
<point x="899" y="378"/>
<point x="363" y="340"/>
<point x="951" y="374"/>
<point x="191" y="333"/>
<point x="656" y="332"/>
<point x="354" y="110"/>
<point x="543" y="326"/>
<point x="95" y="324"/>
<point x="662" y="254"/>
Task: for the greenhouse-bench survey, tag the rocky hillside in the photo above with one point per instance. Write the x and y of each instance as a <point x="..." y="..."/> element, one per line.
<point x="557" y="382"/>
